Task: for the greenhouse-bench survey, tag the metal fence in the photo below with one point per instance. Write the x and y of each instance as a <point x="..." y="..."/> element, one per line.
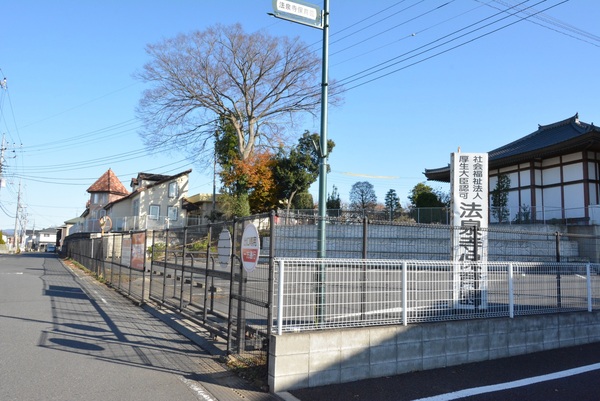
<point x="356" y="237"/>
<point x="526" y="215"/>
<point x="313" y="294"/>
<point x="376" y="272"/>
<point x="181" y="269"/>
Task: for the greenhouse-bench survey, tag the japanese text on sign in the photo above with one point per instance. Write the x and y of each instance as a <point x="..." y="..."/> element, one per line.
<point x="297" y="9"/>
<point x="469" y="197"/>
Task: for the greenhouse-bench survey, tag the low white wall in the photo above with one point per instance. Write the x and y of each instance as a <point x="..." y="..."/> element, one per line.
<point x="310" y="359"/>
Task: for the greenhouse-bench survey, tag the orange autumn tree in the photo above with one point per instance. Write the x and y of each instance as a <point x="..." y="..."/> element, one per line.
<point x="254" y="175"/>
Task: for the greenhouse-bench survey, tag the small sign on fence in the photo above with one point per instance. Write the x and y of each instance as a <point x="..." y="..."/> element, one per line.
<point x="224" y="248"/>
<point x="250" y="248"/>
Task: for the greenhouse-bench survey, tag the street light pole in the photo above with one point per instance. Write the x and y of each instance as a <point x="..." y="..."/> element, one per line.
<point x="324" y="151"/>
<point x="302" y="12"/>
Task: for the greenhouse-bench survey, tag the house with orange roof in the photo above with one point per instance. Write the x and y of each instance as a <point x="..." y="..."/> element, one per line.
<point x="107" y="189"/>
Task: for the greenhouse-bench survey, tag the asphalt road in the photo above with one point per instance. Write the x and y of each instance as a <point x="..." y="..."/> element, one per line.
<point x="65" y="336"/>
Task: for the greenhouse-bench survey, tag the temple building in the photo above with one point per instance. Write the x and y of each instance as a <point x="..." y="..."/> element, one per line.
<point x="554" y="173"/>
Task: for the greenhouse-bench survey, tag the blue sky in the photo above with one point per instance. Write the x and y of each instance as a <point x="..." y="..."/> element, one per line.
<point x="68" y="111"/>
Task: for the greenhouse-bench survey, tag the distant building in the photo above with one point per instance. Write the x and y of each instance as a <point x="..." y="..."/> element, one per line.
<point x="42" y="238"/>
<point x="554" y="173"/>
<point x="201" y="207"/>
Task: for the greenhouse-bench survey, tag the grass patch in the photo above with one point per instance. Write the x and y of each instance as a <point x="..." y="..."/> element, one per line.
<point x="251" y="368"/>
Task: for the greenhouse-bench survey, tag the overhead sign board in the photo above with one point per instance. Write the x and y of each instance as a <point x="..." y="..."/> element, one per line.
<point x="299" y="11"/>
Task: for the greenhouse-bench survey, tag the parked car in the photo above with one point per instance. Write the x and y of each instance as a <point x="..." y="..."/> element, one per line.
<point x="50" y="248"/>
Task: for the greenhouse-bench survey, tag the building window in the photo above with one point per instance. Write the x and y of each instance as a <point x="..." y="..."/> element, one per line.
<point x="136" y="207"/>
<point x="154" y="212"/>
<point x="99" y="198"/>
<point x="173" y="189"/>
<point x="172" y="213"/>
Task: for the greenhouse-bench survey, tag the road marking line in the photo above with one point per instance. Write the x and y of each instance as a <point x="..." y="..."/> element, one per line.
<point x="509" y="385"/>
<point x="198" y="389"/>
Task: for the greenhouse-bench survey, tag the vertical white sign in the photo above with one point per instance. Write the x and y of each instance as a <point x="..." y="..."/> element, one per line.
<point x="250" y="248"/>
<point x="469" y="203"/>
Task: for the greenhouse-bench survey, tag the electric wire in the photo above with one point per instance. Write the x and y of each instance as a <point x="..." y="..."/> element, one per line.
<point x="376" y="23"/>
<point x="348" y="80"/>
<point x="393" y="61"/>
<point x="558" y="24"/>
<point x="392" y="28"/>
<point x="409" y="35"/>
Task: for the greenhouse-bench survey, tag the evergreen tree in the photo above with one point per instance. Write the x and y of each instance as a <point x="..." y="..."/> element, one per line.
<point x="392" y="203"/>
<point x="334" y="203"/>
<point x="500" y="199"/>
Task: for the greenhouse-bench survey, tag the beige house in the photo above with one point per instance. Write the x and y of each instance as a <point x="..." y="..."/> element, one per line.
<point x="155" y="202"/>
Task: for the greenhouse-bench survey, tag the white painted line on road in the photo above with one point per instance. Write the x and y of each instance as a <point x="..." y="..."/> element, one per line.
<point x="96" y="293"/>
<point x="198" y="389"/>
<point x="509" y="385"/>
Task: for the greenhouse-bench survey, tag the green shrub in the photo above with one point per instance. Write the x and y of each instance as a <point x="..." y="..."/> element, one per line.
<point x="157" y="251"/>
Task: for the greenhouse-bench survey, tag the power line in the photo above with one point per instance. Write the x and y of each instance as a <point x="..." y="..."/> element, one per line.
<point x="435" y="47"/>
<point x="557" y="23"/>
<point x="394" y="27"/>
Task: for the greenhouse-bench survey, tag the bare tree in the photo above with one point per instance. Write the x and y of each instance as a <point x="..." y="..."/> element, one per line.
<point x="362" y="196"/>
<point x="255" y="81"/>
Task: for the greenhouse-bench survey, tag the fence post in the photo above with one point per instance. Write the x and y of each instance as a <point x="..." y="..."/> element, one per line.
<point x="152" y="256"/>
<point x="91" y="252"/>
<point x="103" y="258"/>
<point x="588" y="277"/>
<point x="364" y="236"/>
<point x="280" y="298"/>
<point x="231" y="287"/>
<point x="558" y="278"/>
<point x="143" y="266"/>
<point x="164" y="279"/>
<point x="181" y="280"/>
<point x="112" y="262"/>
<point x="404" y="294"/>
<point x="271" y="277"/>
<point x="130" y="264"/>
<point x="208" y="259"/>
<point x="120" y="265"/>
<point x="511" y="291"/>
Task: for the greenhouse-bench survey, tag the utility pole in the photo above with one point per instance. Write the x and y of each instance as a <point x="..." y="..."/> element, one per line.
<point x="321" y="228"/>
<point x="15" y="233"/>
<point x="316" y="18"/>
<point x="2" y="149"/>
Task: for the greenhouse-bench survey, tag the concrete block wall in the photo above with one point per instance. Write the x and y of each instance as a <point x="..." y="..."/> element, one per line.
<point x="310" y="359"/>
<point x="409" y="242"/>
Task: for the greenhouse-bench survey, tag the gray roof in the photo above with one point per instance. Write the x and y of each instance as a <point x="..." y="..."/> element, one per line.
<point x="545" y="138"/>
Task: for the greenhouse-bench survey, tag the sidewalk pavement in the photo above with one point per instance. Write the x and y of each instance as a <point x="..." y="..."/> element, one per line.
<point x="212" y="374"/>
